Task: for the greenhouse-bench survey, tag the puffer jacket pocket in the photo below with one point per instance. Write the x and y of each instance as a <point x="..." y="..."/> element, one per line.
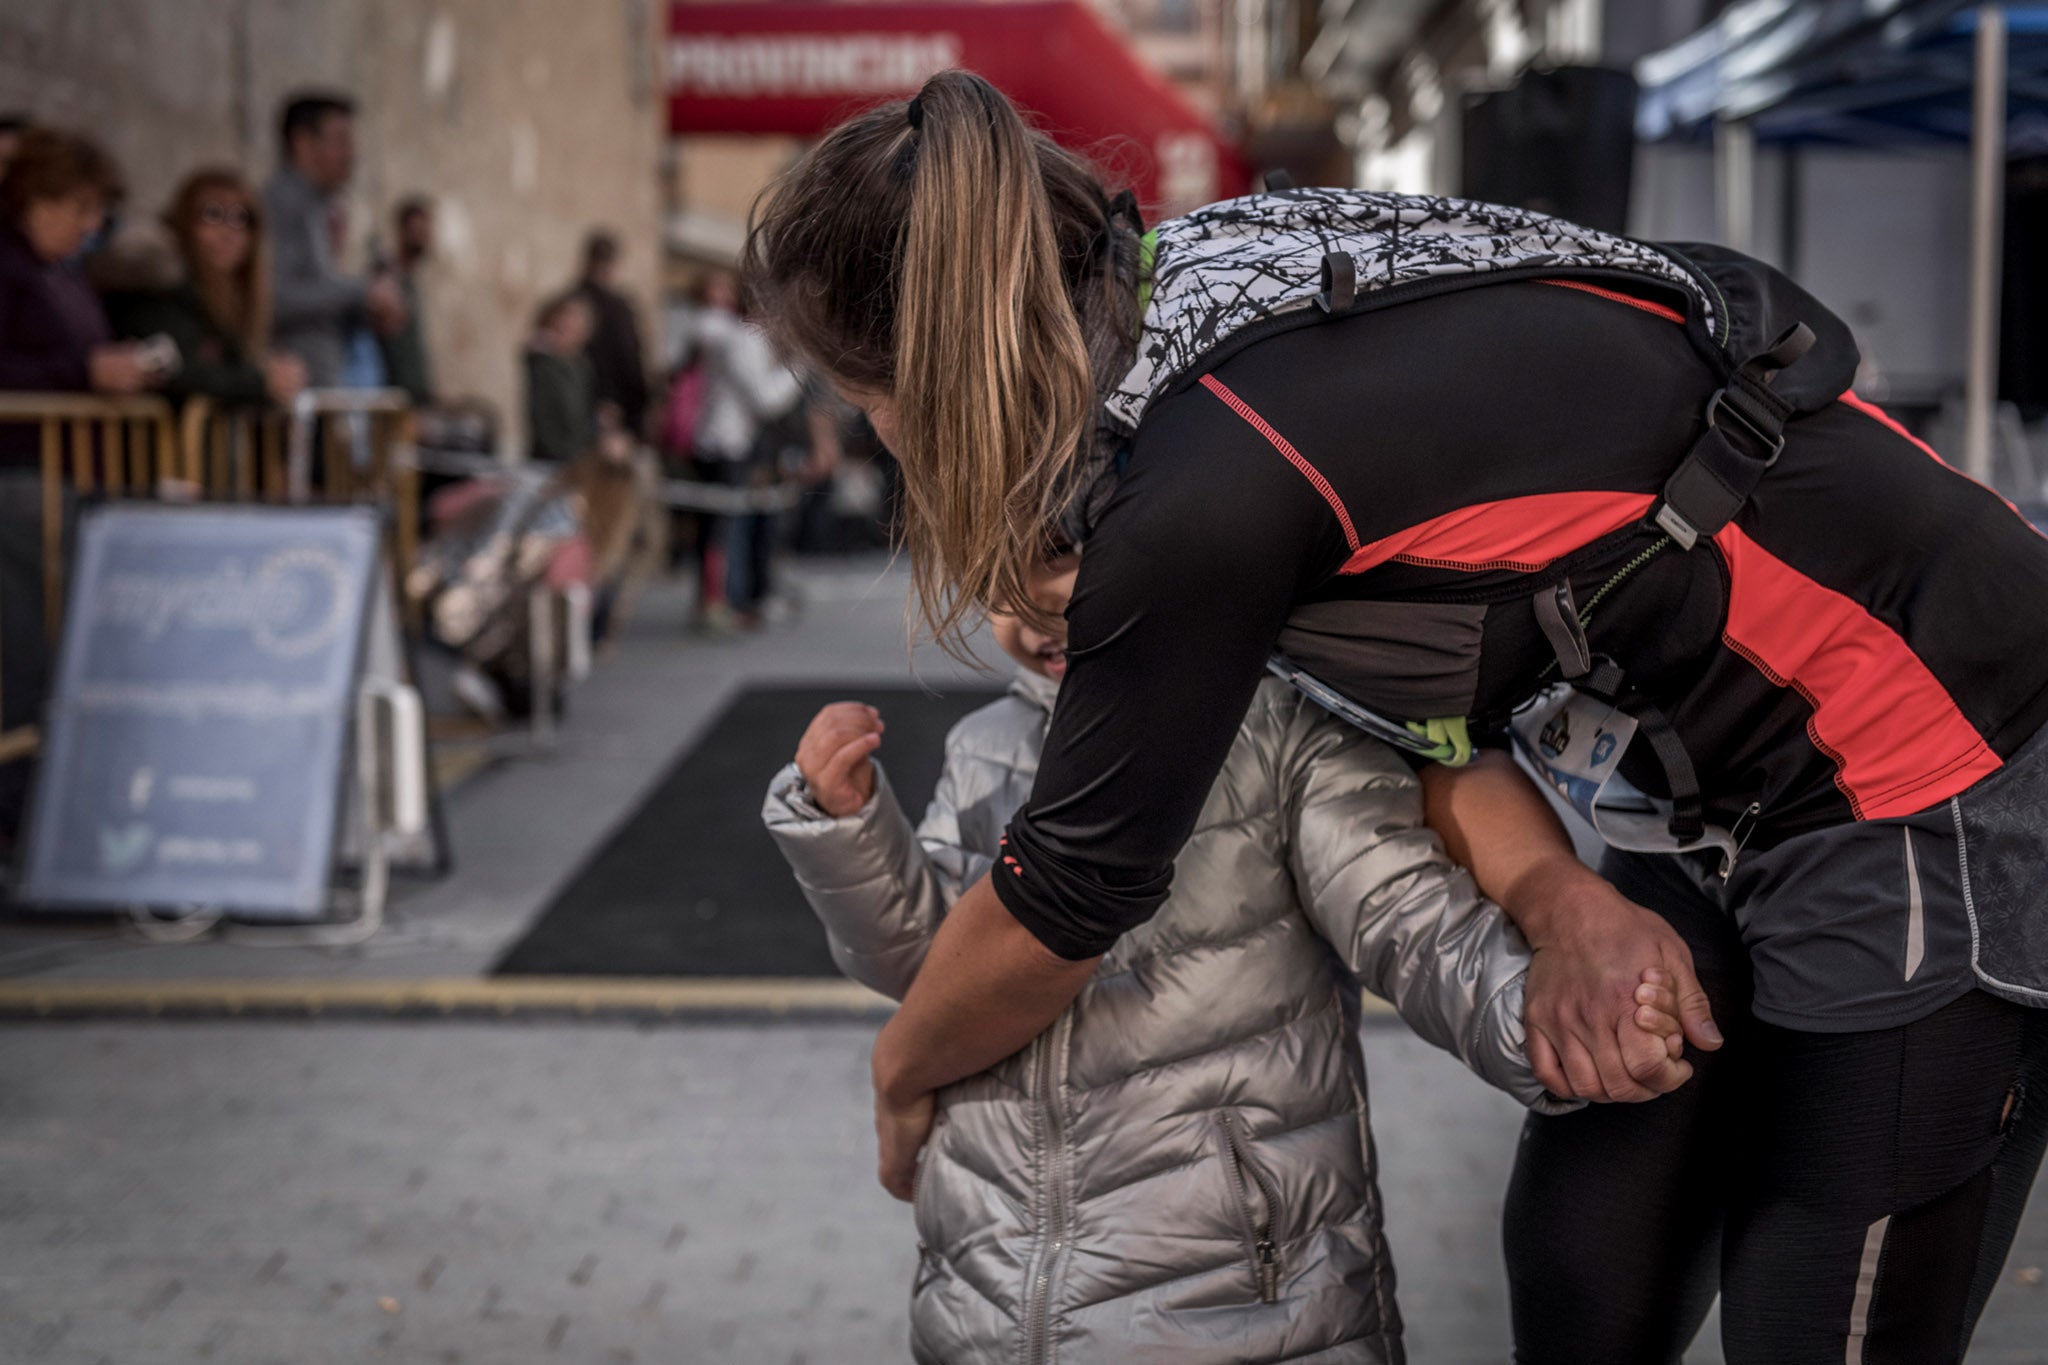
<point x="1257" y="1201"/>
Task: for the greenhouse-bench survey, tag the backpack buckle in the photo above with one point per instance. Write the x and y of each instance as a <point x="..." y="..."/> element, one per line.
<point x="1771" y="438"/>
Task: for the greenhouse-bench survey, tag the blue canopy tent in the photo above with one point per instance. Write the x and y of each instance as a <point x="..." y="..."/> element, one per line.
<point x="1873" y="73"/>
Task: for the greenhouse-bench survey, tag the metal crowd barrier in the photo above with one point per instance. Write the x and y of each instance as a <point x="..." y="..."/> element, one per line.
<point x="688" y="495"/>
<point x="100" y="455"/>
<point x="331" y="445"/>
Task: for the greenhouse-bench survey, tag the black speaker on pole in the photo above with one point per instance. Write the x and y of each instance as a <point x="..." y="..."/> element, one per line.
<point x="2023" y="316"/>
<point x="1560" y="140"/>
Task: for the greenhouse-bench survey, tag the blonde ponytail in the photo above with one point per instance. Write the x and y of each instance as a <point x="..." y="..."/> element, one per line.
<point x="948" y="256"/>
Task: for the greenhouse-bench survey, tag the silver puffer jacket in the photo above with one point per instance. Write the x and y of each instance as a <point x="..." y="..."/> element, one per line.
<point x="1180" y="1170"/>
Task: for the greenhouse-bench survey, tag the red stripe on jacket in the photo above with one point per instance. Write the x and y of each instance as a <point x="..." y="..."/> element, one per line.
<point x="1286" y="448"/>
<point x="1522" y="534"/>
<point x="1879" y="415"/>
<point x="1616" y="296"/>
<point x="1883" y="418"/>
<point x="1519" y="534"/>
<point x="1898" y="740"/>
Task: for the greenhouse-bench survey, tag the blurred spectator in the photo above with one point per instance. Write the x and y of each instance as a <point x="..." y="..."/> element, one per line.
<point x="317" y="308"/>
<point x="218" y="313"/>
<point x="561" y="404"/>
<point x="12" y="126"/>
<point x="616" y="359"/>
<point x="741" y="387"/>
<point x="797" y="446"/>
<point x="53" y="334"/>
<point x="405" y="350"/>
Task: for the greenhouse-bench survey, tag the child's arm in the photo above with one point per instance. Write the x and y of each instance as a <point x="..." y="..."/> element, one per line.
<point x="876" y="887"/>
<point x="1377" y="884"/>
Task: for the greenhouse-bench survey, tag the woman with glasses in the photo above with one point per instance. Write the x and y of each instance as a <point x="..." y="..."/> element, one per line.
<point x="218" y="314"/>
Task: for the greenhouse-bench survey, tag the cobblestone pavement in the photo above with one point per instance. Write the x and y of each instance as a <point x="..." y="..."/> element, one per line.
<point x="262" y="1192"/>
<point x="255" y="1192"/>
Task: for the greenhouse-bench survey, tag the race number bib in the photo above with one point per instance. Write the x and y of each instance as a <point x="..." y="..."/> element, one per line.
<point x="1575" y="745"/>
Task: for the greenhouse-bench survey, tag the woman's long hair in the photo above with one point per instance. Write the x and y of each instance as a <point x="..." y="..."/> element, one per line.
<point x="237" y="302"/>
<point x="944" y="254"/>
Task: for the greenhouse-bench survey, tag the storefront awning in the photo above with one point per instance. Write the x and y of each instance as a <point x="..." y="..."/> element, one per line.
<point x="1880" y="73"/>
<point x="1877" y="73"/>
<point x="798" y="68"/>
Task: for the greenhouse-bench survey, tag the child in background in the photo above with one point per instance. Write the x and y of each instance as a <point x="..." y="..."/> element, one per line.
<point x="561" y="395"/>
<point x="1181" y="1168"/>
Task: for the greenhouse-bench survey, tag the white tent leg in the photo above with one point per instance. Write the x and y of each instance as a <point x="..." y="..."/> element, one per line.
<point x="1735" y="183"/>
<point x="1987" y="224"/>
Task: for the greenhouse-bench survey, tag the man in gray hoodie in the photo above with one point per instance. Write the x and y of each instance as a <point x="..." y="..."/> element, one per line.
<point x="315" y="307"/>
<point x="1181" y="1169"/>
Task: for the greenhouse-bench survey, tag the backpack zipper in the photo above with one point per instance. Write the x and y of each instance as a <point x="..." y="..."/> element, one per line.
<point x="1265" y="1258"/>
<point x="1585" y="613"/>
<point x="1052" y="1232"/>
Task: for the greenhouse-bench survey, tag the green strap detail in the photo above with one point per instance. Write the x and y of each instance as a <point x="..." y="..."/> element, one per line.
<point x="1148" y="248"/>
<point x="1453" y="740"/>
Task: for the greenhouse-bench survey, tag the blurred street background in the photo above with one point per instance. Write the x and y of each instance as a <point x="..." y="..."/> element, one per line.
<point x="386" y="425"/>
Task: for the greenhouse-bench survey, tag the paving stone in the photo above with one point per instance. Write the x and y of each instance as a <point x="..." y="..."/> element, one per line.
<point x="654" y="1200"/>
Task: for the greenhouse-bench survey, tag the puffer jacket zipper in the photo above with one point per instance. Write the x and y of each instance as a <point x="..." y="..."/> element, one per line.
<point x="1246" y="1177"/>
<point x="1050" y="1121"/>
<point x="918" y="1181"/>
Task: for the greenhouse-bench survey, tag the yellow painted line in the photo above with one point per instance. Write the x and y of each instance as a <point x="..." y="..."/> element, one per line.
<point x="638" y="996"/>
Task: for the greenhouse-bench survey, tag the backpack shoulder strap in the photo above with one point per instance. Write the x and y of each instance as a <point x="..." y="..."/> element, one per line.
<point x="1745" y="433"/>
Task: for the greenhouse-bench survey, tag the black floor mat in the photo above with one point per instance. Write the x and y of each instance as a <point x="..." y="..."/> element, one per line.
<point x="691" y="884"/>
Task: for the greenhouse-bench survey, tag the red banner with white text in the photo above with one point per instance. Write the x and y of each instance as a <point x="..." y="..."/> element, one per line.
<point x="799" y="68"/>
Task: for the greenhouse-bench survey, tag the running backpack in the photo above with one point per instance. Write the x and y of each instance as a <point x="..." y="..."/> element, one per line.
<point x="1233" y="273"/>
<point x="1226" y="275"/>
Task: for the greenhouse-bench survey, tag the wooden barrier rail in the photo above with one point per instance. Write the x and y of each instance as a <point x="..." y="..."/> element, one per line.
<point x="115" y="444"/>
<point x="101" y="457"/>
<point x="138" y="447"/>
<point x="273" y="455"/>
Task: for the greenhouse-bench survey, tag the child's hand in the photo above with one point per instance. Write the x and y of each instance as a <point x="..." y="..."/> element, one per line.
<point x="834" y="756"/>
<point x="1657" y="1010"/>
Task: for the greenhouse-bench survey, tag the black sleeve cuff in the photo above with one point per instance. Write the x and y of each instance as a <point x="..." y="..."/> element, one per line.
<point x="1060" y="937"/>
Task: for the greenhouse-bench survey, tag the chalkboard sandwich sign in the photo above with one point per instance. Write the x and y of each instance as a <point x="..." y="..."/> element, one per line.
<point x="197" y="742"/>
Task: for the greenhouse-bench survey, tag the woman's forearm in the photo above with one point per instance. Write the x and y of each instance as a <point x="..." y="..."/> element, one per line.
<point x="986" y="989"/>
<point x="1494" y="821"/>
<point x="1593" y="945"/>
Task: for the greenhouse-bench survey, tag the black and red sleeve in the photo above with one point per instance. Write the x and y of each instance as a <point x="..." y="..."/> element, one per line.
<point x="1209" y="540"/>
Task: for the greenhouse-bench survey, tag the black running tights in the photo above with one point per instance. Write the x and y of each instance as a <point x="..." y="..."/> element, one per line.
<point x="1852" y="1196"/>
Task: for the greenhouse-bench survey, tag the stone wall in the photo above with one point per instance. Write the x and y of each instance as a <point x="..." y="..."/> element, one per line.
<point x="527" y="121"/>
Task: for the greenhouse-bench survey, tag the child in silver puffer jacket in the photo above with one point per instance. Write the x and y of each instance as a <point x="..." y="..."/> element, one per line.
<point x="1181" y="1168"/>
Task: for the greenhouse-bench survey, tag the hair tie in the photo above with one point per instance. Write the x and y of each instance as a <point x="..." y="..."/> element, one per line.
<point x="1125" y="206"/>
<point x="915" y="111"/>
